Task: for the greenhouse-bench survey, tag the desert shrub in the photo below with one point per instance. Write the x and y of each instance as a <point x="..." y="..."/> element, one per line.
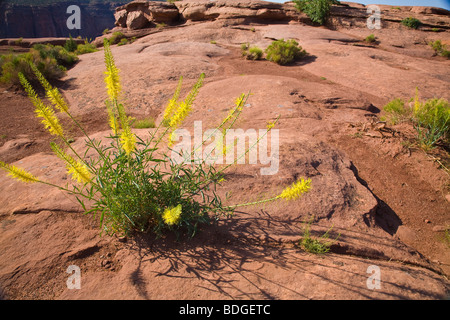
<point x="132" y="184"/>
<point x="60" y="54"/>
<point x="85" y="48"/>
<point x="317" y="10"/>
<point x="251" y="53"/>
<point x="370" y="38"/>
<point x="52" y="62"/>
<point x="123" y="42"/>
<point x="319" y="245"/>
<point x="254" y="53"/>
<point x="106" y="31"/>
<point x="70" y="45"/>
<point x="432" y="121"/>
<point x="430" y="118"/>
<point x="411" y="23"/>
<point x="284" y="52"/>
<point x="396" y="111"/>
<point x="116" y="37"/>
<point x="440" y="48"/>
<point x="144" y="123"/>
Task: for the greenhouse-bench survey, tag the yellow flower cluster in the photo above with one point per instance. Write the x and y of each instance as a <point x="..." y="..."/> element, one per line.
<point x="47" y="114"/>
<point x="112" y="79"/>
<point x="294" y="191"/>
<point x="172" y="216"/>
<point x="77" y="169"/>
<point x="181" y="109"/>
<point x="18" y="173"/>
<point x="52" y="94"/>
<point x="116" y="110"/>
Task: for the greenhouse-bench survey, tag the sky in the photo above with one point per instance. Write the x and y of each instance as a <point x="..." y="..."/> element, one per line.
<point x="428" y="3"/>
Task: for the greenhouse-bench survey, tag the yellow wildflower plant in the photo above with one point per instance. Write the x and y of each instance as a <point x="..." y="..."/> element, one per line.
<point x="172" y="216"/>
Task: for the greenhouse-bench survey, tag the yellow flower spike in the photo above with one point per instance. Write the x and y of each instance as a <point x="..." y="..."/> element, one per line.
<point x="270" y="125"/>
<point x="49" y="120"/>
<point x="112" y="78"/>
<point x="52" y="94"/>
<point x="294" y="191"/>
<point x="173" y="103"/>
<point x="172" y="216"/>
<point x="58" y="101"/>
<point x="47" y="114"/>
<point x="18" y="173"/>
<point x="128" y="140"/>
<point x="112" y="119"/>
<point x="76" y="169"/>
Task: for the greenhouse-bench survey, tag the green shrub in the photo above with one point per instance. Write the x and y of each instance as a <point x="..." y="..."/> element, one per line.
<point x="123" y="42"/>
<point x="254" y="53"/>
<point x="319" y="245"/>
<point x="106" y="31"/>
<point x="144" y="123"/>
<point x="284" y="52"/>
<point x="431" y="119"/>
<point x="70" y="45"/>
<point x="52" y="61"/>
<point x="317" y="10"/>
<point x="85" y="48"/>
<point x="116" y="37"/>
<point x="396" y="111"/>
<point x="132" y="184"/>
<point x="440" y="48"/>
<point x="411" y="23"/>
<point x="370" y="38"/>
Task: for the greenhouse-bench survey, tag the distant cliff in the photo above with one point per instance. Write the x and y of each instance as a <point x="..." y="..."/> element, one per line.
<point x="48" y="18"/>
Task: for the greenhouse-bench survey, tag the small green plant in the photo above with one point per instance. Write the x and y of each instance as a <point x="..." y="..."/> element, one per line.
<point x="284" y="52"/>
<point x="144" y="123"/>
<point x="70" y="45"/>
<point x="19" y="41"/>
<point x="431" y="119"/>
<point x="411" y="23"/>
<point x="319" y="245"/>
<point x="396" y="111"/>
<point x="253" y="53"/>
<point x="52" y="61"/>
<point x="123" y="42"/>
<point x="213" y="42"/>
<point x="370" y="38"/>
<point x="116" y="37"/>
<point x="161" y="25"/>
<point x="252" y="29"/>
<point x="440" y="48"/>
<point x="435" y="29"/>
<point x="106" y="31"/>
<point x="85" y="48"/>
<point x="317" y="10"/>
<point x="3" y="136"/>
<point x="133" y="184"/>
